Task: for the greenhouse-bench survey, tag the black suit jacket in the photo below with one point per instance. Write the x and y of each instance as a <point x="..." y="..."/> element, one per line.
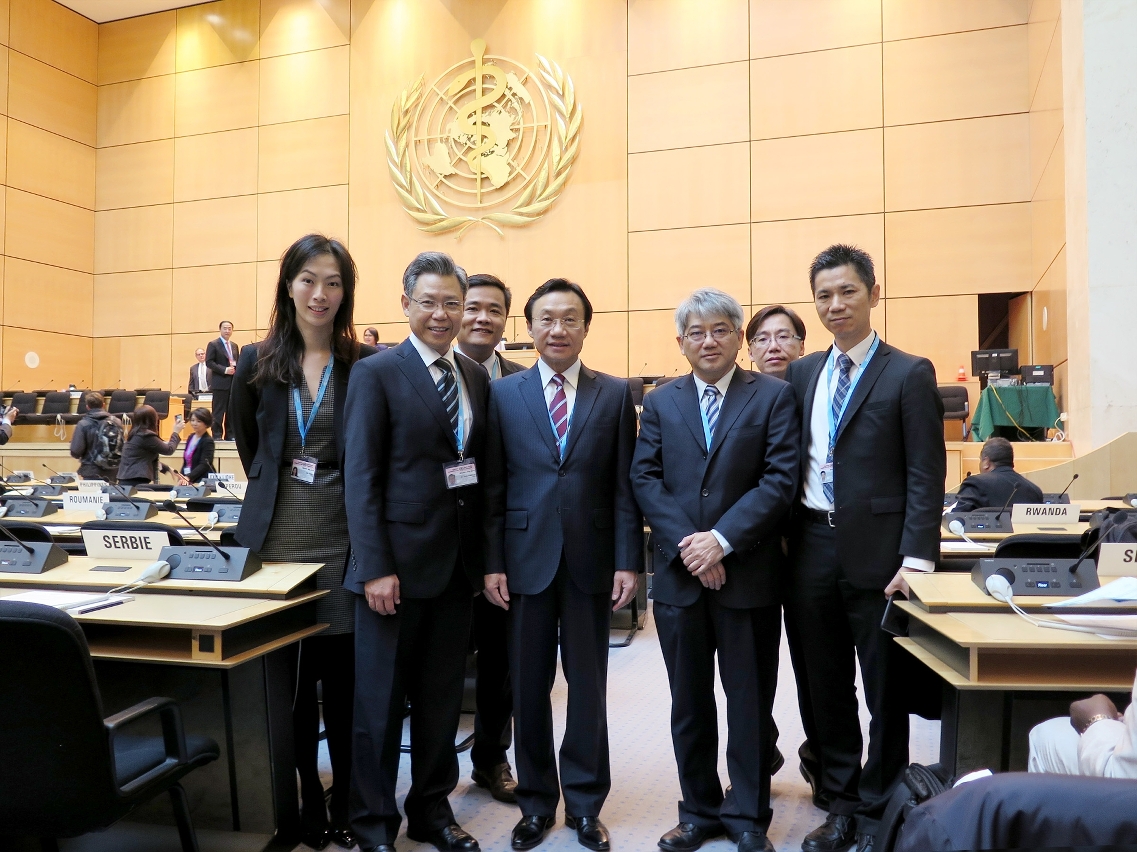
<point x="994" y="488"/>
<point x="889" y="462"/>
<point x="218" y="362"/>
<point x="201" y="461"/>
<point x="193" y="388"/>
<point x="539" y="506"/>
<point x="260" y="426"/>
<point x="507" y="367"/>
<point x="742" y="487"/>
<point x="402" y="518"/>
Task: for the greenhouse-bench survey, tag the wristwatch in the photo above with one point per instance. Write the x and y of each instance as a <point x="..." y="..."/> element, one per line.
<point x="1094" y="719"/>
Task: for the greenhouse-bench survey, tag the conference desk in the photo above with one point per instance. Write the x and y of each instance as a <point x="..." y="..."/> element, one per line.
<point x="223" y="651"/>
<point x="1002" y="675"/>
<point x="64" y="526"/>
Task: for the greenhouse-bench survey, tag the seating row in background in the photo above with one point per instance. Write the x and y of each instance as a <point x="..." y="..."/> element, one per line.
<point x="59" y="404"/>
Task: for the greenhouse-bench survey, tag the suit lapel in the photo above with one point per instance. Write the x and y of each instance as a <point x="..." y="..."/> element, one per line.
<point x="340" y="373"/>
<point x="274" y="397"/>
<point x="419" y="376"/>
<point x="738" y="394"/>
<point x="474" y="391"/>
<point x="587" y="389"/>
<point x="807" y="402"/>
<point x="864" y="385"/>
<point x="686" y="400"/>
<point x="533" y="393"/>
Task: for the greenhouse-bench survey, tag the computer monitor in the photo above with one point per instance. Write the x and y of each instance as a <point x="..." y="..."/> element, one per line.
<point x="984" y="361"/>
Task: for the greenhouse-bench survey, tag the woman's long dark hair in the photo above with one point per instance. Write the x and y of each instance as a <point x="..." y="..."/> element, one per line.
<point x="279" y="354"/>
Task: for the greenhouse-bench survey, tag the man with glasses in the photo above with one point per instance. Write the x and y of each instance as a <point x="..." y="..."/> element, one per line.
<point x="715" y="472"/>
<point x="564" y="545"/>
<point x="776" y="338"/>
<point x="414" y="426"/>
<point x="198" y="381"/>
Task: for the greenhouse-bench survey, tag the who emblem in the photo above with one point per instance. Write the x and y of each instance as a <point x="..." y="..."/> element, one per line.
<point x="489" y="142"/>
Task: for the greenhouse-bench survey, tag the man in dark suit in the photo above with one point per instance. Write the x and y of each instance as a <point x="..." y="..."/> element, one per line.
<point x="221" y="358"/>
<point x="487" y="306"/>
<point x="997" y="482"/>
<point x="198" y="384"/>
<point x="715" y="472"/>
<point x="564" y="545"/>
<point x="414" y="427"/>
<point x="872" y="473"/>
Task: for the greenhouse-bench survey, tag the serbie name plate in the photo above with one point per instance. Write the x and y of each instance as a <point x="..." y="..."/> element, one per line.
<point x="125" y="543"/>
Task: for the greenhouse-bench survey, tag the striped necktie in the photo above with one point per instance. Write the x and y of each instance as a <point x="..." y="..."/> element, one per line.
<point x="558" y="409"/>
<point x="844" y="365"/>
<point x="711" y="410"/>
<point x="448" y="388"/>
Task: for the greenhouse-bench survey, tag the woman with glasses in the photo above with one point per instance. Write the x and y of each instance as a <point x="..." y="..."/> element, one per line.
<point x="776" y="336"/>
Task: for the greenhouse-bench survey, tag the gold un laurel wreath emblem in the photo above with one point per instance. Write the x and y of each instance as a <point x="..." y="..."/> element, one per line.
<point x="489" y="139"/>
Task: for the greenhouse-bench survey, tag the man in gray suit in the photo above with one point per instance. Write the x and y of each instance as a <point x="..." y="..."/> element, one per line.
<point x="564" y="545"/>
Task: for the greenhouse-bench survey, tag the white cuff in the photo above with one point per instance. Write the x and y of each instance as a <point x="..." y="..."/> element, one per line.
<point x="726" y="548"/>
<point x="913" y="563"/>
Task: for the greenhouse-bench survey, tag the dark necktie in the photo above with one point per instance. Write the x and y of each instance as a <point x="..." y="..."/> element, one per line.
<point x="844" y="365"/>
<point x="448" y="388"/>
<point x="558" y="408"/>
<point x="711" y="410"/>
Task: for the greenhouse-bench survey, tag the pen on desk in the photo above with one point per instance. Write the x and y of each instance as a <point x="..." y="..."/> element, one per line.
<point x="97" y="607"/>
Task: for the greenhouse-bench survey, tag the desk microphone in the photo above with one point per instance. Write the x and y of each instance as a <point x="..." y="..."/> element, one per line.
<point x="7" y="532"/>
<point x="1006" y="505"/>
<point x="141" y="512"/>
<point x="153" y="572"/>
<point x="59" y="478"/>
<point x="1071" y="482"/>
<point x="999" y="587"/>
<point x="221" y="483"/>
<point x="190" y="562"/>
<point x="21" y="477"/>
<point x="41" y="555"/>
<point x="957" y="527"/>
<point x="171" y="506"/>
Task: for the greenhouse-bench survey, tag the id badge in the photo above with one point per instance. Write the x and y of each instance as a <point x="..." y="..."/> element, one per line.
<point x="304" y="469"/>
<point x="827" y="472"/>
<point x="461" y="473"/>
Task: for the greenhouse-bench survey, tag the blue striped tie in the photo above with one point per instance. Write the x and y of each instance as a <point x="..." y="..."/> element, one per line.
<point x="711" y="410"/>
<point x="449" y="390"/>
<point x="844" y="364"/>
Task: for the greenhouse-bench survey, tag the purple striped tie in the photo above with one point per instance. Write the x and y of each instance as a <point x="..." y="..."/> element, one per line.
<point x="558" y="408"/>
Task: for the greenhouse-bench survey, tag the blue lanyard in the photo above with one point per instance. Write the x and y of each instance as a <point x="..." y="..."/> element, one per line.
<point x="460" y="432"/>
<point x="703" y="414"/>
<point x="830" y="366"/>
<point x="302" y="426"/>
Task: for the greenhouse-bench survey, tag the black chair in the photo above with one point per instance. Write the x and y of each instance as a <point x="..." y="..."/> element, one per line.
<point x="159" y="400"/>
<point x="67" y="769"/>
<point x="26" y="402"/>
<point x="27" y="531"/>
<point x="662" y="380"/>
<point x="143" y="526"/>
<point x="1039" y="546"/>
<point x="56" y="403"/>
<point x="636" y="385"/>
<point x="122" y="402"/>
<point x="956" y="405"/>
<point x="229" y="538"/>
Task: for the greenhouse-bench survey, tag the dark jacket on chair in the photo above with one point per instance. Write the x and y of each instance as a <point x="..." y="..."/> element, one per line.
<point x="994" y="488"/>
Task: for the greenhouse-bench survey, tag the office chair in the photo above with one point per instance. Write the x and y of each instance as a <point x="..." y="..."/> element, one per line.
<point x="1039" y="546"/>
<point x="26" y="402"/>
<point x="662" y="380"/>
<point x="122" y="402"/>
<point x="56" y="403"/>
<point x="67" y="769"/>
<point x="159" y="400"/>
<point x="636" y="385"/>
<point x="143" y="526"/>
<point x="956" y="406"/>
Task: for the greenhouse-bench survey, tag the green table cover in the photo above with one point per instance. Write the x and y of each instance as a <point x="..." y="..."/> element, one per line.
<point x="1029" y="406"/>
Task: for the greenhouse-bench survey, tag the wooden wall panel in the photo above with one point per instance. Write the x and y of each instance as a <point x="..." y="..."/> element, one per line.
<point x="215" y="99"/>
<point x="48" y="298"/>
<point x="959" y="250"/>
<point x="284" y="217"/>
<point x="52" y="33"/>
<point x="48" y="231"/>
<point x="957" y="163"/>
<point x="816" y="92"/>
<point x="904" y="19"/>
<point x="304" y="85"/>
<point x="780" y="27"/>
<point x="5" y="12"/>
<point x="1041" y="30"/>
<point x="136" y="111"/>
<point x="652" y="348"/>
<point x="134" y="238"/>
<point x="291" y="26"/>
<point x="606" y="348"/>
<point x="215" y="165"/>
<point x="713" y="100"/>
<point x="1046" y="111"/>
<point x="205" y="295"/>
<point x="831" y="174"/>
<point x="1048" y="213"/>
<point x="946" y="341"/>
<point x="220" y="230"/>
<point x="217" y="34"/>
<point x="688" y="187"/>
<point x="3" y="150"/>
<point x="783" y="251"/>
<point x="1019" y="327"/>
<point x="268" y="271"/>
<point x="3" y="80"/>
<point x="143" y="362"/>
<point x="63" y="359"/>
<point x="46" y="97"/>
<point x="50" y="165"/>
<point x="137" y="47"/>
<point x="303" y="154"/>
<point x="1050" y="345"/>
<point x="133" y="303"/>
<point x="665" y="266"/>
<point x="136" y="175"/>
<point x="963" y="75"/>
<point x="668" y="34"/>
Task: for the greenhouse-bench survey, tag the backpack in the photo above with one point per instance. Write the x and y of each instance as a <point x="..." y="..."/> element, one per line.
<point x="107" y="443"/>
<point x="918" y="784"/>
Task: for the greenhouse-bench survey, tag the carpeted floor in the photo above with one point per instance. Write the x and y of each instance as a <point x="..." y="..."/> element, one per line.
<point x="645" y="786"/>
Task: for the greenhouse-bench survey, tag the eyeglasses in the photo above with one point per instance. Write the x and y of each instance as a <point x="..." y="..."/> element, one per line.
<point x="717" y="334"/>
<point x="782" y="337"/>
<point x="430" y="306"/>
<point x="568" y="324"/>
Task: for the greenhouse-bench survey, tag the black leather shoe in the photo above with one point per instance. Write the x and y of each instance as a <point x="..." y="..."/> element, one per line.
<point x="450" y="839"/>
<point x="864" y="842"/>
<point x="315" y="838"/>
<point x="777" y="761"/>
<point x="834" y="835"/>
<point x="382" y="847"/>
<point x="754" y="841"/>
<point x="810" y="768"/>
<point x="344" y="838"/>
<point x="499" y="781"/>
<point x="687" y="836"/>
<point x="591" y="833"/>
<point x="530" y="831"/>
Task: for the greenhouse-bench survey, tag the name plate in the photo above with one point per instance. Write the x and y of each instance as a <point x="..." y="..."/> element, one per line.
<point x="1043" y="514"/>
<point x="231" y="488"/>
<point x="227" y="477"/>
<point x="125" y="543"/>
<point x="1117" y="559"/>
<point x="92" y="486"/>
<point x="83" y="501"/>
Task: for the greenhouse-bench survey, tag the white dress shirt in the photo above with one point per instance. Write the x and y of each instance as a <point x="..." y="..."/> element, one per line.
<point x="814" y="493"/>
<point x="1109" y="748"/>
<point x="202" y="377"/>
<point x="700" y="387"/>
<point x="429" y="356"/>
<point x="492" y="365"/>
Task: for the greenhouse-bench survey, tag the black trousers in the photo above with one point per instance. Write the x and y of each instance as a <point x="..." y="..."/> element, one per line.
<point x="493" y="719"/>
<point x="838" y="624"/>
<point x="222" y="430"/>
<point x="746" y="641"/>
<point x="417" y="654"/>
<point x="801" y="678"/>
<point x="579" y="622"/>
<point x="330" y="661"/>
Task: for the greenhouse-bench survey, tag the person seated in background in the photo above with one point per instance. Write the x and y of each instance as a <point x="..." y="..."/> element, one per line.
<point x="139" y="464"/>
<point x="371" y="338"/>
<point x="997" y="481"/>
<point x="10" y="414"/>
<point x="197" y="457"/>
<point x="1093" y="740"/>
<point x="199" y="382"/>
<point x="97" y="440"/>
<point x="776" y="337"/>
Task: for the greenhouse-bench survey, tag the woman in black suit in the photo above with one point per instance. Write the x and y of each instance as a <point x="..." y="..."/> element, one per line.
<point x="197" y="457"/>
<point x="287" y="411"/>
<point x="139" y="462"/>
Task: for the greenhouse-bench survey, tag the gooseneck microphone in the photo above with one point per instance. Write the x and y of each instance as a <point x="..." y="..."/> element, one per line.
<point x="1006" y="505"/>
<point x="1071" y="482"/>
<point x="62" y="477"/>
<point x="221" y="483"/>
<point x="22" y="544"/>
<point x="171" y="506"/>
